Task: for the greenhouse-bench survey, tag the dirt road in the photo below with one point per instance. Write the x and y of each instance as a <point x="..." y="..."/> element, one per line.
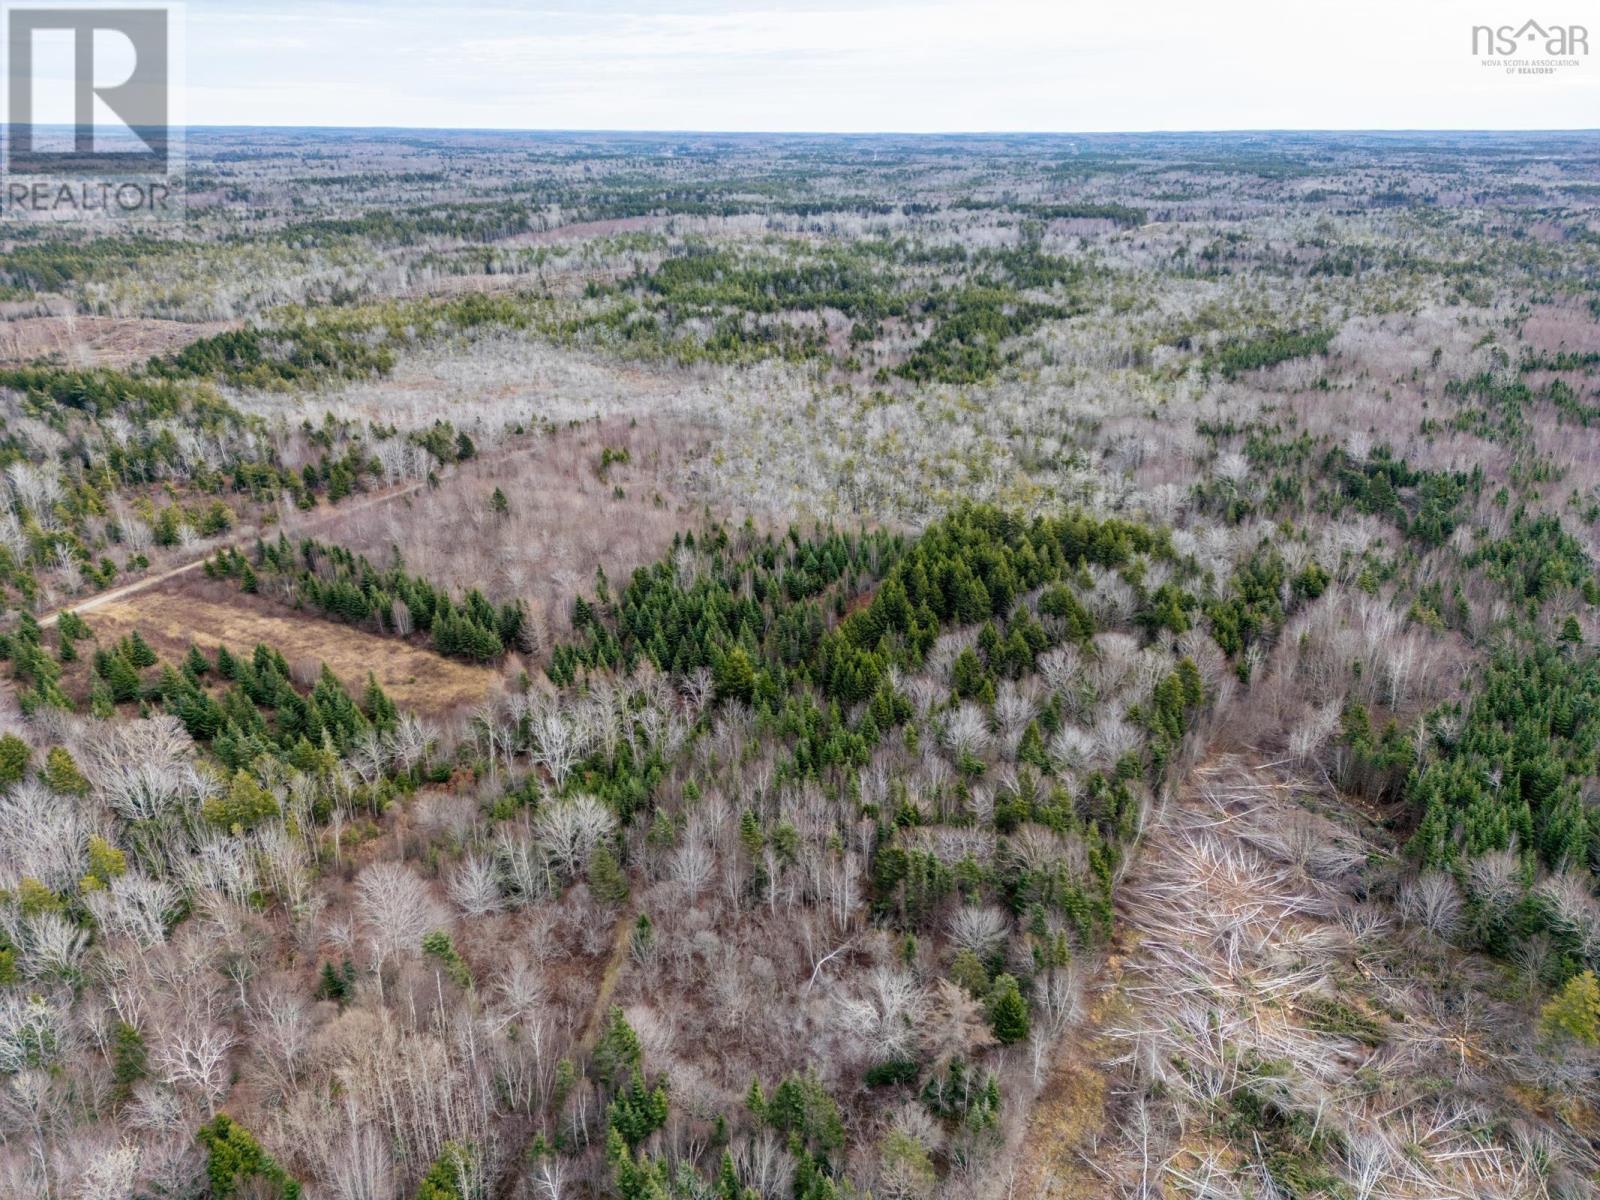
<point x="314" y="521"/>
<point x="90" y="603"/>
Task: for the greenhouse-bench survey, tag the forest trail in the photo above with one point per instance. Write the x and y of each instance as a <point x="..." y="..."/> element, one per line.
<point x="1069" y="1116"/>
<point x="111" y="595"/>
<point x="621" y="939"/>
<point x="1072" y="1114"/>
<point x="124" y="591"/>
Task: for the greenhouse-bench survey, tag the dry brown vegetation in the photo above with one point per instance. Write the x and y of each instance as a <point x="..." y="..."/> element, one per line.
<point x="89" y="341"/>
<point x="1265" y="966"/>
<point x="572" y="509"/>
<point x="175" y="615"/>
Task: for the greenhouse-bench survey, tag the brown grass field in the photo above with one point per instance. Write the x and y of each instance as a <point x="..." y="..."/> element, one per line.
<point x="178" y="613"/>
<point x="85" y="341"/>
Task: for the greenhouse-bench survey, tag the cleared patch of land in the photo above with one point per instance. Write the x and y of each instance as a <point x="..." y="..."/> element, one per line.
<point x="84" y="341"/>
<point x="600" y="494"/>
<point x="1255" y="967"/>
<point x="171" y="617"/>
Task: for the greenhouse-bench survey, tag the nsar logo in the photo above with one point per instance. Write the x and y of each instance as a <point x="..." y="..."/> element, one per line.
<point x="1531" y="48"/>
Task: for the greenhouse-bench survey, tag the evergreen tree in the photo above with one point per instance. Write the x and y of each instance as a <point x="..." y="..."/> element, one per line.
<point x="1008" y="1011"/>
<point x="637" y="1111"/>
<point x="443" y="1180"/>
<point x="377" y="706"/>
<point x="128" y="1062"/>
<point x="331" y="985"/>
<point x="734" y="677"/>
<point x="62" y="774"/>
<point x="438" y="946"/>
<point x="636" y="1178"/>
<point x="243" y="806"/>
<point x="106" y="862"/>
<point x="755" y="1100"/>
<point x="1574" y="1012"/>
<point x="122" y="679"/>
<point x="617" y="1053"/>
<point x="968" y="971"/>
<point x="139" y="652"/>
<point x="236" y="1162"/>
<point x="14" y="758"/>
<point x="606" y="878"/>
<point x="800" y="1105"/>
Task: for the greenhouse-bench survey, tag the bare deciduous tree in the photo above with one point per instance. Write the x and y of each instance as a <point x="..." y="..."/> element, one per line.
<point x="886" y="1016"/>
<point x="570" y="829"/>
<point x="195" y="1056"/>
<point x="397" y="908"/>
<point x="979" y="929"/>
<point x="1432" y="901"/>
<point x="475" y="886"/>
<point x="692" y="864"/>
<point x="556" y="740"/>
<point x="966" y="731"/>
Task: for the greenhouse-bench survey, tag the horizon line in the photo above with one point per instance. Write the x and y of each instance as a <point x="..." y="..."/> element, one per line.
<point x="908" y="133"/>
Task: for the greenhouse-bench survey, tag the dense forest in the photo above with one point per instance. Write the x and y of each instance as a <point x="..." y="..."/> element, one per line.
<point x="541" y="667"/>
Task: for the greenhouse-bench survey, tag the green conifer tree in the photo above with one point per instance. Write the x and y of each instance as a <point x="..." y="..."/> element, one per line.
<point x="1008" y="1011"/>
<point x="1574" y="1011"/>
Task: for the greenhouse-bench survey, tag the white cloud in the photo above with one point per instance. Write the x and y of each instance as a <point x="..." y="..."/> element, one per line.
<point x="891" y="65"/>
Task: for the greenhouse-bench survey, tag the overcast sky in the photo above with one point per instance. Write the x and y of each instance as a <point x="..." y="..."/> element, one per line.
<point x="864" y="65"/>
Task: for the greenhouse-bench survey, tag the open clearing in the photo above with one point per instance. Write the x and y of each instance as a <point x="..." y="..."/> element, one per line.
<point x="1252" y="961"/>
<point x="170" y="619"/>
<point x="86" y="341"/>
